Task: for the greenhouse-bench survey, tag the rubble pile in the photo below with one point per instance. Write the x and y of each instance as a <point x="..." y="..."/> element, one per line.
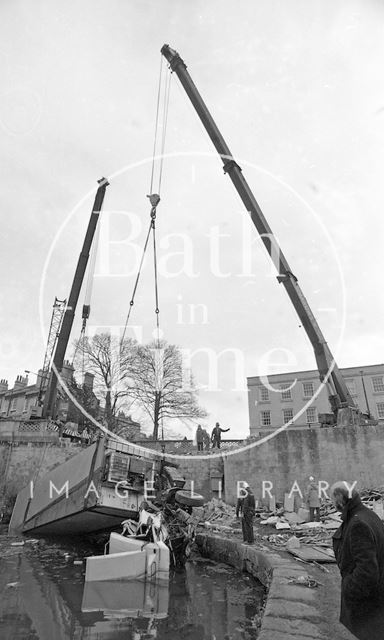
<point x="309" y="542"/>
<point x="216" y="514"/>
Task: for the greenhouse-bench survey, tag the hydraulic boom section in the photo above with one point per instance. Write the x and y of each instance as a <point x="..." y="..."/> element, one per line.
<point x="62" y="342"/>
<point x="328" y="370"/>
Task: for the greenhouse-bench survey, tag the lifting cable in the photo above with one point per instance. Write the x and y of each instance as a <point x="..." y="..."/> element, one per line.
<point x="154" y="198"/>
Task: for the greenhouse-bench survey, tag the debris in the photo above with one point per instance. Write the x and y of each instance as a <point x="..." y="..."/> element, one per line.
<point x="311" y="554"/>
<point x="305" y="581"/>
<point x="293" y="543"/>
<point x="320" y="566"/>
<point x="282" y="525"/>
<point x="293" y="518"/>
<point x="303" y="514"/>
<point x="288" y="502"/>
<point x="270" y="520"/>
<point x="17" y="544"/>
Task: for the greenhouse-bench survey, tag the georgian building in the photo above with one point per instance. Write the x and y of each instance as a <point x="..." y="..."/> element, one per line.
<point x="21" y="402"/>
<point x="299" y="396"/>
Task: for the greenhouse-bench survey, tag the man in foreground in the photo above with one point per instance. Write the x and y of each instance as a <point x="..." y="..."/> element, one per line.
<point x="359" y="550"/>
<point x="246" y="506"/>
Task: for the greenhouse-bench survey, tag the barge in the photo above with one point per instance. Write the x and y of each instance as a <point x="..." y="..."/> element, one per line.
<point x="91" y="492"/>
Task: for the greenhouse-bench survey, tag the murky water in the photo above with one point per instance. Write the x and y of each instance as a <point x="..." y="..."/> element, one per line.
<point x="44" y="597"/>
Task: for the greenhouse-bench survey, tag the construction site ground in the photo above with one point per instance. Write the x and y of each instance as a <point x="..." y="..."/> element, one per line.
<point x="323" y="579"/>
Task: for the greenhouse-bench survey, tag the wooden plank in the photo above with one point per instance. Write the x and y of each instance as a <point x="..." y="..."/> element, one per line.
<point x="310" y="554"/>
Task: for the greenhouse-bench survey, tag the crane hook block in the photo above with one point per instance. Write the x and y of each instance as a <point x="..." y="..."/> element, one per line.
<point x="154" y="199"/>
<point x="86" y="311"/>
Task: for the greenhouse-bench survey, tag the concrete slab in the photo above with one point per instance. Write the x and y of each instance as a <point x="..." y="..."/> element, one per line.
<point x="292" y="592"/>
<point x="294" y="627"/>
<point x="291" y="609"/>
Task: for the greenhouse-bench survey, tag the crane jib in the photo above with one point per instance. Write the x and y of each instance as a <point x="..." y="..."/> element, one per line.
<point x="326" y="364"/>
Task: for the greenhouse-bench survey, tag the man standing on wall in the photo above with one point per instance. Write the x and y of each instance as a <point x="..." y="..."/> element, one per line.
<point x="359" y="551"/>
<point x="247" y="506"/>
<point x="216" y="435"/>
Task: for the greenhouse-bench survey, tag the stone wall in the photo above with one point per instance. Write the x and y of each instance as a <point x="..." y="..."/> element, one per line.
<point x="22" y="462"/>
<point x="206" y="473"/>
<point x="329" y="454"/>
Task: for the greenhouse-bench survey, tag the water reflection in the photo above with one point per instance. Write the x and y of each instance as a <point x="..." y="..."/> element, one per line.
<point x="126" y="599"/>
<point x="43" y="597"/>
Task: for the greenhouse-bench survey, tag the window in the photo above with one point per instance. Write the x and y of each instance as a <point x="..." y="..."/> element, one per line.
<point x="285" y="391"/>
<point x="264" y="394"/>
<point x="380" y="410"/>
<point x="265" y="418"/>
<point x="13" y="404"/>
<point x="308" y="389"/>
<point x="351" y="386"/>
<point x="378" y="384"/>
<point x="26" y="402"/>
<point x="287" y="415"/>
<point x="311" y="414"/>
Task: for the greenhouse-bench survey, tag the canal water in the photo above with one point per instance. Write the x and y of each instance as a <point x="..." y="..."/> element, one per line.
<point x="44" y="597"/>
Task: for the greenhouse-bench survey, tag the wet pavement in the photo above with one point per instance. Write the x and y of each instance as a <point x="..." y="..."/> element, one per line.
<point x="44" y="597"/>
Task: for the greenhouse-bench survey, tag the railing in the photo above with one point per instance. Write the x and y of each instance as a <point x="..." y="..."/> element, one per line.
<point x="186" y="447"/>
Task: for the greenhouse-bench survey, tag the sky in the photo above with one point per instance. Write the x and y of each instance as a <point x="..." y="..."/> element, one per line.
<point x="296" y="89"/>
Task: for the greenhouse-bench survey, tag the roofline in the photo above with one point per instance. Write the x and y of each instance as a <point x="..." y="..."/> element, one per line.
<point x="314" y="371"/>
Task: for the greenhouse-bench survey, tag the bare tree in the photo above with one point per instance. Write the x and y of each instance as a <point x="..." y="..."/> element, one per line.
<point x="110" y="360"/>
<point x="158" y="386"/>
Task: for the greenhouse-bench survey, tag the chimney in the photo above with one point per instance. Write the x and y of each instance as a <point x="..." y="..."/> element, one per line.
<point x="67" y="371"/>
<point x="20" y="382"/>
<point x="3" y="385"/>
<point x="88" y="380"/>
<point x="39" y="378"/>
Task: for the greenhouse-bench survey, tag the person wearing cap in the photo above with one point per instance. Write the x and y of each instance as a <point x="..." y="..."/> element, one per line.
<point x="359" y="551"/>
<point x="313" y="500"/>
<point x="248" y="513"/>
<point x="216" y="435"/>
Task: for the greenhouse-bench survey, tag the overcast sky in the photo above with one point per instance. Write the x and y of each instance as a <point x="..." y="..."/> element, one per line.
<point x="296" y="88"/>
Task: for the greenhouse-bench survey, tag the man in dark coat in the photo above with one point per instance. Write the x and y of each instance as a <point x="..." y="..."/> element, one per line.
<point x="246" y="506"/>
<point x="359" y="550"/>
<point x="216" y="435"/>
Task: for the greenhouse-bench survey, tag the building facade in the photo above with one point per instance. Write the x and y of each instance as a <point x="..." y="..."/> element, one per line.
<point x="277" y="399"/>
<point x="21" y="402"/>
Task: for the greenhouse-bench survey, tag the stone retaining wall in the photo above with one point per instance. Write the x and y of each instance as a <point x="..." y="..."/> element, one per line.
<point x="292" y="612"/>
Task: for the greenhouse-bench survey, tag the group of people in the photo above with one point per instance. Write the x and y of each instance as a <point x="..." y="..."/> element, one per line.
<point x="204" y="440"/>
<point x="358" y="545"/>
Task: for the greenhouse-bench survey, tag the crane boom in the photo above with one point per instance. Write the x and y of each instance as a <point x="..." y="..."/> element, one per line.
<point x="328" y="370"/>
<point x="66" y="326"/>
